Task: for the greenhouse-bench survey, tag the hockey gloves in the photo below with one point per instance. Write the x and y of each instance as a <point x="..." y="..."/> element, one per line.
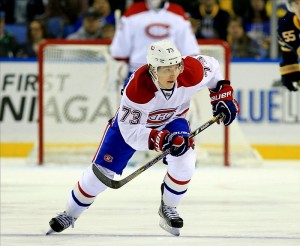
<point x="289" y="79"/>
<point x="163" y="140"/>
<point x="223" y="102"/>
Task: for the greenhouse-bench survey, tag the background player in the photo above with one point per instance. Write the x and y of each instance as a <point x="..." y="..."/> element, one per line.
<point x="289" y="40"/>
<point x="147" y="22"/>
<point x="152" y="116"/>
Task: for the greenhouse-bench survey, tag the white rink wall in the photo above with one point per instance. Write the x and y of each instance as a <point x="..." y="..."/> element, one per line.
<point x="269" y="119"/>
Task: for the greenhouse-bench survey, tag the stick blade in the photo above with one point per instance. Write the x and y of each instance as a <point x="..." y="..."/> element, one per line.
<point x="105" y="180"/>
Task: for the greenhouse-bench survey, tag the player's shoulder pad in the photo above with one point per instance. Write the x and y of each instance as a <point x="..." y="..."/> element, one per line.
<point x="286" y="22"/>
<point x="177" y="9"/>
<point x="192" y="74"/>
<point x="136" y="8"/>
<point x="141" y="88"/>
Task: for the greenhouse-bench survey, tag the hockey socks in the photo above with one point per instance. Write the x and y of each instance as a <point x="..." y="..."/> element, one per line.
<point x="82" y="196"/>
<point x="174" y="190"/>
<point x="85" y="191"/>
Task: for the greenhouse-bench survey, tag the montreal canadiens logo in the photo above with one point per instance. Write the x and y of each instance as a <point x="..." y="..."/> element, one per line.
<point x="160" y="116"/>
<point x="108" y="158"/>
<point x="157" y="30"/>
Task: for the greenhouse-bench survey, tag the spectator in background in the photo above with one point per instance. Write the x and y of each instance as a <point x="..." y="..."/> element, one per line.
<point x="36" y="35"/>
<point x="8" y="43"/>
<point x="90" y="28"/>
<point x="242" y="46"/>
<point x="257" y="25"/>
<point x="106" y="15"/>
<point x="108" y="31"/>
<point x="68" y="10"/>
<point x="149" y="21"/>
<point x="213" y="20"/>
<point x="104" y="9"/>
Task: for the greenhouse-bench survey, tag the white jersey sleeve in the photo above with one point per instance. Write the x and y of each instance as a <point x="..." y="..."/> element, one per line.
<point x="121" y="46"/>
<point x="132" y="120"/>
<point x="211" y="70"/>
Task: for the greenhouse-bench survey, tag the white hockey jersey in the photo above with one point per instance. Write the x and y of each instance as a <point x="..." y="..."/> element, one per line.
<point x="145" y="107"/>
<point x="139" y="27"/>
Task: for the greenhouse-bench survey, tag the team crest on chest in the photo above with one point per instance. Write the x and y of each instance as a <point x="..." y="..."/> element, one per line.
<point x="160" y="116"/>
<point x="158" y="30"/>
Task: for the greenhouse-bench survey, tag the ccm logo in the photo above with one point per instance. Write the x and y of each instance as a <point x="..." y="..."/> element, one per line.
<point x="160" y="116"/>
<point x="221" y="96"/>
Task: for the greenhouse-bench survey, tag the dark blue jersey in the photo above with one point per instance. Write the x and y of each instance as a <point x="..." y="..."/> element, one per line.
<point x="289" y="41"/>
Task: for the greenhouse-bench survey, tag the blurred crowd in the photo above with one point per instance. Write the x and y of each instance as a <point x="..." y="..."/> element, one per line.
<point x="25" y="24"/>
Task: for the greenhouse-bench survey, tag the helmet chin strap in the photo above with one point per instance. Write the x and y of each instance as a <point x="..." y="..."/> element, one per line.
<point x="153" y="74"/>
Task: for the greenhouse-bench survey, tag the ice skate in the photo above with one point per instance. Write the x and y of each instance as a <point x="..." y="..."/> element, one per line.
<point x="170" y="220"/>
<point x="61" y="222"/>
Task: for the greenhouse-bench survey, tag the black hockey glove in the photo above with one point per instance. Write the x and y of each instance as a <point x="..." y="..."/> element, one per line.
<point x="289" y="79"/>
<point x="223" y="102"/>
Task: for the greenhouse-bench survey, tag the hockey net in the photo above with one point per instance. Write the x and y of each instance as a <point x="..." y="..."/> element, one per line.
<point x="79" y="91"/>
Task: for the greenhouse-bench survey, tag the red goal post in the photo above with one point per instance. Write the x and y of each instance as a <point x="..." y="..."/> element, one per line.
<point x="55" y="54"/>
<point x="226" y="59"/>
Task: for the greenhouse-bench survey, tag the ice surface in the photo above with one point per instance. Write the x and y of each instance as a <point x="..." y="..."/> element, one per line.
<point x="223" y="206"/>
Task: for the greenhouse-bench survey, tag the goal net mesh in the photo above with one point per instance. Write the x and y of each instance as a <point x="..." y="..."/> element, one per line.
<point x="80" y="91"/>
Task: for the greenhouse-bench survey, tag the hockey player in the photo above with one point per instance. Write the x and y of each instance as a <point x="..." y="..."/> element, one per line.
<point x="152" y="116"/>
<point x="149" y="21"/>
<point x="289" y="40"/>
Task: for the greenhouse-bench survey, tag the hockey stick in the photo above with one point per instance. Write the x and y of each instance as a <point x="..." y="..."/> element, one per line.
<point x="116" y="184"/>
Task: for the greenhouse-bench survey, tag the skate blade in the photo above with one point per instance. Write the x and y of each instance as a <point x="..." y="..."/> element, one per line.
<point x="174" y="231"/>
<point x="50" y="232"/>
